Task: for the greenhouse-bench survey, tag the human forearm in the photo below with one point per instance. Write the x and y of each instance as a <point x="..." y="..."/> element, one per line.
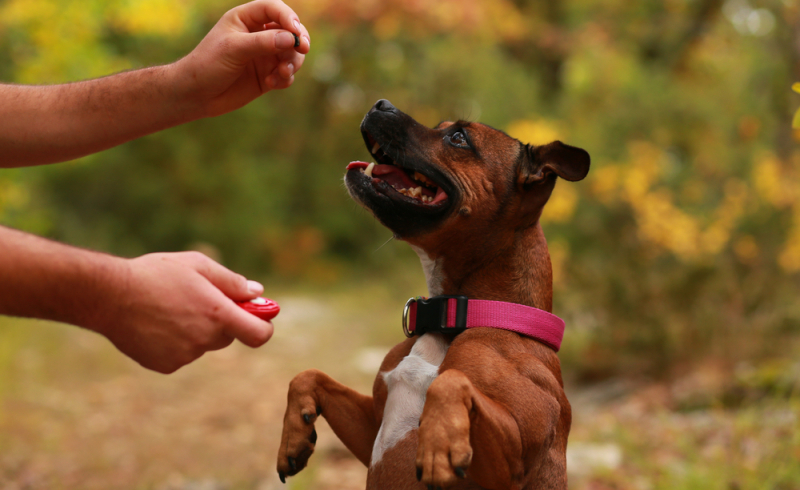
<point x="253" y="49"/>
<point x="46" y="124"/>
<point x="48" y="280"/>
<point x="162" y="310"/>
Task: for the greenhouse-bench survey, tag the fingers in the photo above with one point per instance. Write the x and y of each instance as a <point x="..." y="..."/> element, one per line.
<point x="266" y="11"/>
<point x="232" y="285"/>
<point x="279" y="42"/>
<point x="304" y="39"/>
<point x="237" y="323"/>
<point x="286" y="70"/>
<point x="247" y="328"/>
<point x="259" y="14"/>
<point x="282" y="76"/>
<point x="289" y="64"/>
<point x="277" y="82"/>
<point x="274" y="43"/>
<point x="178" y="306"/>
<point x="223" y="340"/>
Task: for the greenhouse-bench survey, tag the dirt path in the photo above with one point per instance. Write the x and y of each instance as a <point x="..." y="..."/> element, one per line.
<point x="74" y="414"/>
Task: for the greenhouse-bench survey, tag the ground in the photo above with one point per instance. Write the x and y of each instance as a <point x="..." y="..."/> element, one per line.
<point x="75" y="414"/>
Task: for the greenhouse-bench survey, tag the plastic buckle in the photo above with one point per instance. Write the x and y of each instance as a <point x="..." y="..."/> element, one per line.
<point x="431" y="315"/>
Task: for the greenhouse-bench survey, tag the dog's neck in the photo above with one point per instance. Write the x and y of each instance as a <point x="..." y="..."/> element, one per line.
<point x="515" y="268"/>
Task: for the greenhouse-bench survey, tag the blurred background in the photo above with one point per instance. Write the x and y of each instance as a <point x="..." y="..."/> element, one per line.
<point x="676" y="262"/>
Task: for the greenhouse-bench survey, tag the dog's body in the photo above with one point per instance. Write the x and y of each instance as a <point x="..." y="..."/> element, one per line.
<point x="485" y="408"/>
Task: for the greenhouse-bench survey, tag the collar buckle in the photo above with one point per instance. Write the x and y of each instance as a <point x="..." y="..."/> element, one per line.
<point x="406" y="309"/>
<point x="424" y="315"/>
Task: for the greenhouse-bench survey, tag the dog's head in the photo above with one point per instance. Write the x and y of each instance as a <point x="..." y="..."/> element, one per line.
<point x="432" y="181"/>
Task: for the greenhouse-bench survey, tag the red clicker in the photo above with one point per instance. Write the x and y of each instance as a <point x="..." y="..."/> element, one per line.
<point x="264" y="308"/>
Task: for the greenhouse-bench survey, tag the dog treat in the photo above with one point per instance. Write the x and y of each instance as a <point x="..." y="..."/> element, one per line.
<point x="264" y="308"/>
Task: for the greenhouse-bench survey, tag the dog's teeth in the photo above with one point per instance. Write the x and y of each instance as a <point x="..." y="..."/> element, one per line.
<point x="368" y="171"/>
<point x="418" y="176"/>
<point x="416" y="191"/>
<point x="376" y="147"/>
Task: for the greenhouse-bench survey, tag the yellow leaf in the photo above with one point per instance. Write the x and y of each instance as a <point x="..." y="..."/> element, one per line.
<point x="796" y="120"/>
<point x="796" y="87"/>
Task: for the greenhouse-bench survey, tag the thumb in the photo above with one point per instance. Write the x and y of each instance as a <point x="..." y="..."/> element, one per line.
<point x="233" y="285"/>
<point x="264" y="43"/>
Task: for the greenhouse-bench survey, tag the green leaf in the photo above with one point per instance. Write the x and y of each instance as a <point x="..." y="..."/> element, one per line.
<point x="796" y="120"/>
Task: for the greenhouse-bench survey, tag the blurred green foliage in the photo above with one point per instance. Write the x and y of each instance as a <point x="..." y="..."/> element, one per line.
<point x="683" y="243"/>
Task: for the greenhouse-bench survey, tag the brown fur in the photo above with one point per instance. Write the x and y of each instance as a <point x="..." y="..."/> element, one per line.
<point x="497" y="408"/>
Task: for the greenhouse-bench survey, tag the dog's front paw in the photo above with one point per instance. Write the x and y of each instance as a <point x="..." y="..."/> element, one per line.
<point x="299" y="435"/>
<point x="444" y="452"/>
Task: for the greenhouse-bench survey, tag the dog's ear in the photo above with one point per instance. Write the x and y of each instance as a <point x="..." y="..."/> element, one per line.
<point x="568" y="162"/>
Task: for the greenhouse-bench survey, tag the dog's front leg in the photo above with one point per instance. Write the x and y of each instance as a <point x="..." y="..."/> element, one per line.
<point x="457" y="421"/>
<point x="350" y="414"/>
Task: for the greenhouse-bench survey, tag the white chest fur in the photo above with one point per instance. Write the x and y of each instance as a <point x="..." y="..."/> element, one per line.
<point x="407" y="385"/>
<point x="433" y="271"/>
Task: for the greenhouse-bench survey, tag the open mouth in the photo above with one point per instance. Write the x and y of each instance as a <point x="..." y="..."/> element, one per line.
<point x="408" y="185"/>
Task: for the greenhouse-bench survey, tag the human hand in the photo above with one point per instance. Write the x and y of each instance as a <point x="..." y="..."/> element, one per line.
<point x="174" y="307"/>
<point x="250" y="51"/>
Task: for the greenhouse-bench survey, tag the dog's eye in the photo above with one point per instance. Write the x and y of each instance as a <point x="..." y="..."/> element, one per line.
<point x="459" y="140"/>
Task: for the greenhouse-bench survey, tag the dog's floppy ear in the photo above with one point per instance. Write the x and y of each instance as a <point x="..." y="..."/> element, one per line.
<point x="568" y="162"/>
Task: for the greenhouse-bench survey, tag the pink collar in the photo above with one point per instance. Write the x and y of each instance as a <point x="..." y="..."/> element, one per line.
<point x="454" y="314"/>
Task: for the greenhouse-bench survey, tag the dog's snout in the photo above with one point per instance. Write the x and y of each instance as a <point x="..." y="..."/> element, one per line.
<point x="384" y="105"/>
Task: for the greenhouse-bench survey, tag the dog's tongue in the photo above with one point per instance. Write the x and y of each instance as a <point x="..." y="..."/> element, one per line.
<point x="353" y="165"/>
<point x="440" y="196"/>
<point x="398" y="179"/>
<point x="393" y="176"/>
<point x="390" y="174"/>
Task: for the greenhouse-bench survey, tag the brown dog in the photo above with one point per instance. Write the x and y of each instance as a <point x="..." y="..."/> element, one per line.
<point x="484" y="408"/>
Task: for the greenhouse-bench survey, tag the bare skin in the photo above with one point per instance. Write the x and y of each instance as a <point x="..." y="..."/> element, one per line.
<point x="248" y="53"/>
<point x="162" y="310"/>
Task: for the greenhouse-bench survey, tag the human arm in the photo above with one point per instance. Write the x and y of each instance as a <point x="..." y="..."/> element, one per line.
<point x="162" y="310"/>
<point x="250" y="51"/>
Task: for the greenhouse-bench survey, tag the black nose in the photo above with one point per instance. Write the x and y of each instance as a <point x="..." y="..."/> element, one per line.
<point x="384" y="105"/>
